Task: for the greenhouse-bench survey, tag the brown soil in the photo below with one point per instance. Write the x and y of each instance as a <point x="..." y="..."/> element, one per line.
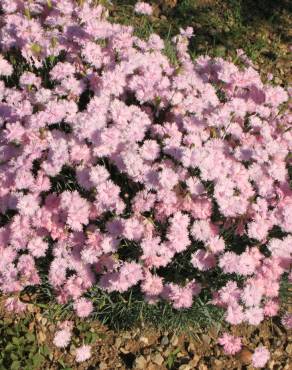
<point x="153" y="350"/>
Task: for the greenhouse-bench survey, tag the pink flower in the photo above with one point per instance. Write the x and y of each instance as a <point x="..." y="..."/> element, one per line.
<point x="14" y="132"/>
<point x="77" y="209"/>
<point x="230" y="343"/>
<point x="234" y="314"/>
<point x="83" y="307"/>
<point x="230" y="294"/>
<point x="152" y="285"/>
<point x="133" y="229"/>
<point x="228" y="262"/>
<point x="37" y="247"/>
<point x="27" y="205"/>
<point x="287" y="320"/>
<point x="271" y="308"/>
<point x="129" y="275"/>
<point x="188" y="32"/>
<point x="5" y="67"/>
<point x="150" y="150"/>
<point x="62" y="338"/>
<point x="181" y="297"/>
<point x="203" y="260"/>
<point x="195" y="186"/>
<point x="260" y="357"/>
<point x="62" y="70"/>
<point x="168" y="178"/>
<point x="216" y="245"/>
<point x="83" y="353"/>
<point x="254" y="315"/>
<point x="29" y="79"/>
<point x="252" y="294"/>
<point x="143" y="8"/>
<point x="98" y="175"/>
<point x="13" y="304"/>
<point x="246" y="264"/>
<point x="92" y="54"/>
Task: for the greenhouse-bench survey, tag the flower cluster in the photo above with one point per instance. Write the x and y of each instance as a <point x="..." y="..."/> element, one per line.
<point x="115" y="162"/>
<point x="232" y="345"/>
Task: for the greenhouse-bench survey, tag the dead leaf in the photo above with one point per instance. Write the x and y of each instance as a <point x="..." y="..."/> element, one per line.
<point x="244" y="356"/>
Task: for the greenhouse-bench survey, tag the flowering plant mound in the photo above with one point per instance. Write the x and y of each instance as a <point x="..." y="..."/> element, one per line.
<point x="117" y="164"/>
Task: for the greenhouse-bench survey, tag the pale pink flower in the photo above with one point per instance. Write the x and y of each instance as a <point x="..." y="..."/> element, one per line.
<point x="62" y="338"/>
<point x="143" y="8"/>
<point x="37" y="247"/>
<point x="234" y="314"/>
<point x="83" y="353"/>
<point x="230" y="343"/>
<point x="13" y="304"/>
<point x="271" y="308"/>
<point x="152" y="285"/>
<point x="287" y="320"/>
<point x="260" y="357"/>
<point x="203" y="260"/>
<point x="150" y="150"/>
<point x="5" y="67"/>
<point x="254" y="315"/>
<point x="83" y="307"/>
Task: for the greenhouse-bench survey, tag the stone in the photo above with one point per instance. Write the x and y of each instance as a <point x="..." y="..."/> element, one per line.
<point x="103" y="366"/>
<point x="124" y="350"/>
<point x="185" y="367"/>
<point x="195" y="360"/>
<point x="157" y="359"/>
<point x="42" y="337"/>
<point x="202" y="366"/>
<point x="140" y="362"/>
<point x="144" y="340"/>
<point x="164" y="341"/>
<point x="206" y="339"/>
<point x="152" y="366"/>
<point x="174" y="340"/>
<point x="118" y="342"/>
<point x="289" y="349"/>
<point x="218" y="365"/>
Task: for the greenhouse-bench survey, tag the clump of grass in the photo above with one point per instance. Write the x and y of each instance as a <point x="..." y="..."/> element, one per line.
<point x="260" y="28"/>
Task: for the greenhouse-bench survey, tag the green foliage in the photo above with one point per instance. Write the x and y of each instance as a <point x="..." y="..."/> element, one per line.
<point x="221" y="27"/>
<point x="19" y="347"/>
<point x="123" y="311"/>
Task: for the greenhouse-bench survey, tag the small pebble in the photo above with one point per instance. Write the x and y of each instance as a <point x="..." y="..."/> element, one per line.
<point x="174" y="340"/>
<point x="158" y="359"/>
<point x="185" y="367"/>
<point x="144" y="340"/>
<point x="140" y="362"/>
<point x="164" y="340"/>
<point x="289" y="349"/>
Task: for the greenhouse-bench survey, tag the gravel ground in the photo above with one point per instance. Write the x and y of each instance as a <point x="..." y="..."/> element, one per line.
<point x="152" y="350"/>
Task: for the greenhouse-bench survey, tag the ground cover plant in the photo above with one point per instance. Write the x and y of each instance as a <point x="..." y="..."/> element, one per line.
<point x="133" y="173"/>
